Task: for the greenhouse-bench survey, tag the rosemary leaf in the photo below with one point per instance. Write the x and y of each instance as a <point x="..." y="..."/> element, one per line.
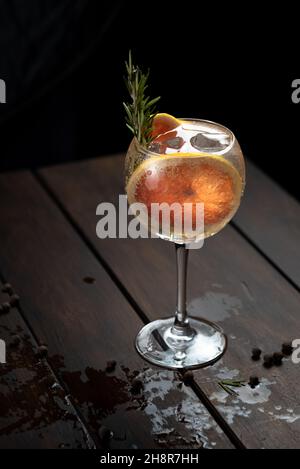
<point x="225" y="388"/>
<point x="226" y="385"/>
<point x="140" y="111"/>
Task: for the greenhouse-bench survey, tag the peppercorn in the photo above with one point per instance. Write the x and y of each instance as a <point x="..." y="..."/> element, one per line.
<point x="89" y="279"/>
<point x="188" y="377"/>
<point x="110" y="366"/>
<point x="136" y="386"/>
<point x="253" y="381"/>
<point x="277" y="358"/>
<point x="256" y="353"/>
<point x="287" y="348"/>
<point x="268" y="361"/>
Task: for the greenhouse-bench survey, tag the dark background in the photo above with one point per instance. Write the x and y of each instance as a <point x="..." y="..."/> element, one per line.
<point x="63" y="63"/>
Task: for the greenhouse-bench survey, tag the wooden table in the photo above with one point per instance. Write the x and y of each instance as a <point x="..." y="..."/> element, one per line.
<point x="86" y="299"/>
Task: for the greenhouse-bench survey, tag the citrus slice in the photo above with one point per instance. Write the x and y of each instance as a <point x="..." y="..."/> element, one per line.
<point x="163" y="123"/>
<point x="188" y="178"/>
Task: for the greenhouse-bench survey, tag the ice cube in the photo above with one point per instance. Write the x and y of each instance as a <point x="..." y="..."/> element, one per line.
<point x="175" y="143"/>
<point x="167" y="141"/>
<point x="157" y="147"/>
<point x="210" y="142"/>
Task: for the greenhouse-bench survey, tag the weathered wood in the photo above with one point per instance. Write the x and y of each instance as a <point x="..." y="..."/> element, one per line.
<point x="35" y="412"/>
<point x="229" y="282"/>
<point x="271" y="219"/>
<point x="76" y="309"/>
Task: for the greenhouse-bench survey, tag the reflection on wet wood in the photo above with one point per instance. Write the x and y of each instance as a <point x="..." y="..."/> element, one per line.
<point x="35" y="412"/>
<point x="73" y="306"/>
<point x="256" y="306"/>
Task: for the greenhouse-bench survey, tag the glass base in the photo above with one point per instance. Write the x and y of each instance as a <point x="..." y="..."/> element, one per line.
<point x="162" y="344"/>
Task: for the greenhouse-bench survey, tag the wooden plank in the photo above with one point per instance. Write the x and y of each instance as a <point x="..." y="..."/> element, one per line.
<point x="74" y="307"/>
<point x="229" y="282"/>
<point x="271" y="219"/>
<point x="35" y="412"/>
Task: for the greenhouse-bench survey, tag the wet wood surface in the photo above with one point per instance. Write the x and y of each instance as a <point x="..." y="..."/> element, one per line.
<point x="85" y="299"/>
<point x="35" y="411"/>
<point x="71" y="304"/>
<point x="270" y="218"/>
<point x="231" y="281"/>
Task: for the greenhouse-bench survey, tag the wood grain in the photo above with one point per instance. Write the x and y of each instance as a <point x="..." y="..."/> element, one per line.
<point x="271" y="219"/>
<point x="75" y="308"/>
<point x="229" y="282"/>
<point x="35" y="412"/>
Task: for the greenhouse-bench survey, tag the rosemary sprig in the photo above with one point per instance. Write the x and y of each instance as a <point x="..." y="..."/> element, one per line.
<point x="141" y="110"/>
<point x="227" y="384"/>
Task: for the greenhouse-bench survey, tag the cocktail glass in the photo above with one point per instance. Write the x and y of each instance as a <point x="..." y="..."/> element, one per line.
<point x="198" y="162"/>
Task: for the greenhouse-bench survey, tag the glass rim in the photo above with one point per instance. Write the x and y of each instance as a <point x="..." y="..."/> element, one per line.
<point x="154" y="154"/>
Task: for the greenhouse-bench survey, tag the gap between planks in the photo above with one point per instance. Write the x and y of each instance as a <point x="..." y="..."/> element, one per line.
<point x="275" y="266"/>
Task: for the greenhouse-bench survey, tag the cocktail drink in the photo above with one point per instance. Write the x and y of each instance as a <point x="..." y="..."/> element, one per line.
<point x="195" y="162"/>
<point x="189" y="163"/>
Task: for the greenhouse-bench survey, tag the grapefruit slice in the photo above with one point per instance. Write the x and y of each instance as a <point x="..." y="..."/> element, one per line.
<point x="163" y="123"/>
<point x="188" y="178"/>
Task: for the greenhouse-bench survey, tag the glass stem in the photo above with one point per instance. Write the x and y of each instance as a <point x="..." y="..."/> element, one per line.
<point x="181" y="325"/>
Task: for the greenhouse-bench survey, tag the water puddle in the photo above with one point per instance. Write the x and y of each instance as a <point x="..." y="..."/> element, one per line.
<point x="186" y="412"/>
<point x="235" y="406"/>
<point x="224" y="372"/>
<point x="175" y="415"/>
<point x="28" y="402"/>
<point x="215" y="306"/>
<point x="246" y="394"/>
<point x="243" y="402"/>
